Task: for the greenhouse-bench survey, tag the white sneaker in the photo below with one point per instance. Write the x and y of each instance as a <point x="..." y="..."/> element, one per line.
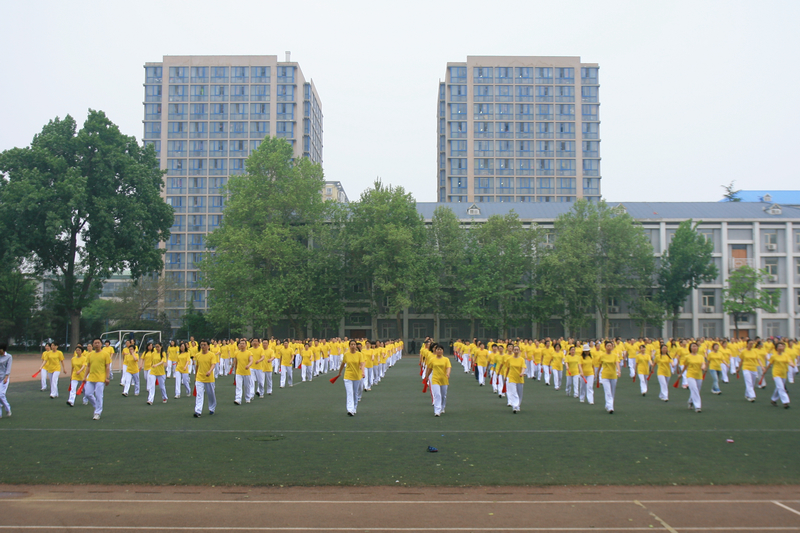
<point x="96" y="417"/>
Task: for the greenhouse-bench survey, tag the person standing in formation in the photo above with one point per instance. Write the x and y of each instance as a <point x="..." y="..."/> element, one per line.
<point x="515" y="368"/>
<point x="353" y="364"/>
<point x="695" y="365"/>
<point x="98" y="363"/>
<point x="286" y="354"/>
<point x="242" y="361"/>
<point x="664" y="363"/>
<point x="609" y="373"/>
<point x="52" y="366"/>
<point x="172" y="358"/>
<point x="643" y="361"/>
<point x="781" y="362"/>
<point x="182" y="371"/>
<point x="130" y="359"/>
<point x="78" y="374"/>
<point x="269" y="357"/>
<point x="586" y="369"/>
<point x="204" y="380"/>
<point x="439" y="374"/>
<point x="157" y="376"/>
<point x="5" y="376"/>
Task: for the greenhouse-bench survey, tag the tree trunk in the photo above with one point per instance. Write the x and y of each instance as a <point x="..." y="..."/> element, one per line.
<point x="675" y="322"/>
<point x="436" y="327"/>
<point x="471" y="329"/>
<point x="399" y="318"/>
<point x="74" y="327"/>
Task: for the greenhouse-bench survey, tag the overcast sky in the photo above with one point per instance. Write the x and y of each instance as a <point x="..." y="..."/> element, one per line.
<point x="694" y="94"/>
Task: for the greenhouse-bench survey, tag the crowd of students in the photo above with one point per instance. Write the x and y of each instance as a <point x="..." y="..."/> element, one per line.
<point x="251" y="362"/>
<point x="504" y="364"/>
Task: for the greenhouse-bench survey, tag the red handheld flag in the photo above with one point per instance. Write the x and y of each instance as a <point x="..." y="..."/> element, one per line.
<point x="504" y="387"/>
<point x="597" y="383"/>
<point x="334" y="378"/>
<point x="69" y="389"/>
<point x="80" y="389"/>
<point x="194" y="391"/>
<point x="37" y="373"/>
<point x="677" y="382"/>
<point x="634" y="378"/>
<point x="424" y="387"/>
<point x="584" y="380"/>
<point x="651" y="373"/>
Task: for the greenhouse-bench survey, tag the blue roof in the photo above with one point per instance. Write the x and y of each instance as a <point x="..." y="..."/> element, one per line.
<point x="776" y="197"/>
<point x="643" y="211"/>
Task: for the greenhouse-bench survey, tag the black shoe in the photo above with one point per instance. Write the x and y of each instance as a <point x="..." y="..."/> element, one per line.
<point x="786" y="406"/>
<point x="210" y="413"/>
<point x="197" y="415"/>
<point x="69" y="403"/>
<point x="349" y="413"/>
<point x="611" y="412"/>
<point x="774" y="403"/>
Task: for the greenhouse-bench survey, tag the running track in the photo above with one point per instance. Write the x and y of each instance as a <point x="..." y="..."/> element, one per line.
<point x="541" y="509"/>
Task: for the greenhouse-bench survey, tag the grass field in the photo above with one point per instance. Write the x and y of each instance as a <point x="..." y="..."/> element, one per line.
<point x="302" y="436"/>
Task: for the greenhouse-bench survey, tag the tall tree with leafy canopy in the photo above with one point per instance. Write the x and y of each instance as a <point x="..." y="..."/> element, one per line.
<point x="266" y="251"/>
<point x="386" y="248"/>
<point x="601" y="253"/>
<point x="744" y="294"/>
<point x="687" y="263"/>
<point x="83" y="205"/>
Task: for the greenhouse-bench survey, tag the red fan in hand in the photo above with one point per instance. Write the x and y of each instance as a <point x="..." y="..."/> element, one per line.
<point x="333" y="379"/>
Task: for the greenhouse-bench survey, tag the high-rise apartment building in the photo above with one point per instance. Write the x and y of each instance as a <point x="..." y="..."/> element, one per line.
<point x="204" y="115"/>
<point x="519" y="129"/>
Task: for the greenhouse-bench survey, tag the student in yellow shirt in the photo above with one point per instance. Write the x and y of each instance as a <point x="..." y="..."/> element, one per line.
<point x="98" y="365"/>
<point x="52" y="366"/>
<point x="515" y="378"/>
<point x="158" y="375"/>
<point x="242" y="363"/>
<point x="586" y="370"/>
<point x="78" y="374"/>
<point x="609" y="373"/>
<point x="269" y="356"/>
<point x="751" y="363"/>
<point x="286" y="354"/>
<point x="557" y="364"/>
<point x="664" y="364"/>
<point x="482" y="361"/>
<point x="781" y="361"/>
<point x="643" y="361"/>
<point x="716" y="360"/>
<point x="353" y="364"/>
<point x="172" y="358"/>
<point x="183" y="363"/>
<point x="42" y="371"/>
<point x="204" y="381"/>
<point x="439" y="374"/>
<point x="130" y="373"/>
<point x="547" y="356"/>
<point x="307" y="364"/>
<point x="573" y="381"/>
<point x="695" y="365"/>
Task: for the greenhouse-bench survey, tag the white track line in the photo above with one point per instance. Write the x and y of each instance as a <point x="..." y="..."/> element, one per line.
<point x="395" y="502"/>
<point x="659" y="520"/>
<point x="786" y="507"/>
<point x="348" y="431"/>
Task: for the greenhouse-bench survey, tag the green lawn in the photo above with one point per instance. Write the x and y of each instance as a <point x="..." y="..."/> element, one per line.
<point x="302" y="436"/>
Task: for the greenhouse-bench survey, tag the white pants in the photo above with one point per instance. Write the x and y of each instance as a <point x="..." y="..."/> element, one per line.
<point x="587" y="389"/>
<point x="724" y="372"/>
<point x="663" y="382"/>
<point x="54" y="384"/>
<point x="749" y="381"/>
<point x="643" y="383"/>
<point x="146" y="379"/>
<point x="573" y="385"/>
<point x="610" y="388"/>
<point x="514" y="394"/>
<point x="790" y="374"/>
<point x="181" y="379"/>
<point x="735" y="362"/>
<point x="258" y="381"/>
<point x="306" y="372"/>
<point x="286" y="374"/>
<point x="556" y="378"/>
<point x="529" y="369"/>
<point x="439" y="398"/>
<point x="481" y="375"/>
<point x="94" y="394"/>
<point x="3" y="400"/>
<point x="243" y="385"/>
<point x="73" y="392"/>
<point x="694" y="392"/>
<point x="632" y="366"/>
<point x="268" y="380"/>
<point x="780" y="391"/>
<point x="351" y="390"/>
<point x="204" y="389"/>
<point x="546" y="374"/>
<point x="170" y="367"/>
<point x="127" y="377"/>
<point x="152" y="383"/>
<point x="276" y="365"/>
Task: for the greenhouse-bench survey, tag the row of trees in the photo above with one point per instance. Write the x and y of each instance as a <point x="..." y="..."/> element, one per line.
<point x="282" y="251"/>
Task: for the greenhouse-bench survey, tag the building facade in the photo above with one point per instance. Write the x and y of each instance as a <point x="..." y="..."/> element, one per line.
<point x="761" y="235"/>
<point x="204" y="115"/>
<point x="333" y="190"/>
<point x="518" y="129"/>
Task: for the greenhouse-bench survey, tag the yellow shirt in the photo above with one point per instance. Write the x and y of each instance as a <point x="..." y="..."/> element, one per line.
<point x="587" y="365"/>
<point x="257" y="352"/>
<point x="172" y="353"/>
<point x="715" y="360"/>
<point x="242" y="360"/>
<point x="269" y="355"/>
<point x="573" y="361"/>
<point x="664" y="363"/>
<point x="183" y="363"/>
<point x="205" y="361"/>
<point x="53" y="361"/>
<point x="352" y="365"/>
<point x="308" y="357"/>
<point x="516" y="370"/>
<point x="131" y="361"/>
<point x="147" y="358"/>
<point x="160" y="370"/>
<point x="694" y="364"/>
<point x="286" y="353"/>
<point x="482" y="358"/>
<point x="97" y="362"/>
<point x="557" y="360"/>
<point x="77" y="364"/>
<point x="370" y="355"/>
<point x="780" y="364"/>
<point x="608" y="362"/>
<point x="642" y="363"/>
<point x="750" y="360"/>
<point x="439" y="374"/>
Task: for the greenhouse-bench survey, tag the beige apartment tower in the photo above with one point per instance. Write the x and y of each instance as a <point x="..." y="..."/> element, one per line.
<point x="518" y="129"/>
<point x="204" y="115"/>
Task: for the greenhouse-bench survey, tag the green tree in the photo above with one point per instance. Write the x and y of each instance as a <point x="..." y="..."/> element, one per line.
<point x="601" y="254"/>
<point x="385" y="238"/>
<point x="687" y="264"/>
<point x="744" y="295"/>
<point x="731" y="193"/>
<point x="18" y="300"/>
<point x="197" y="325"/>
<point x="269" y="258"/>
<point x="85" y="205"/>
